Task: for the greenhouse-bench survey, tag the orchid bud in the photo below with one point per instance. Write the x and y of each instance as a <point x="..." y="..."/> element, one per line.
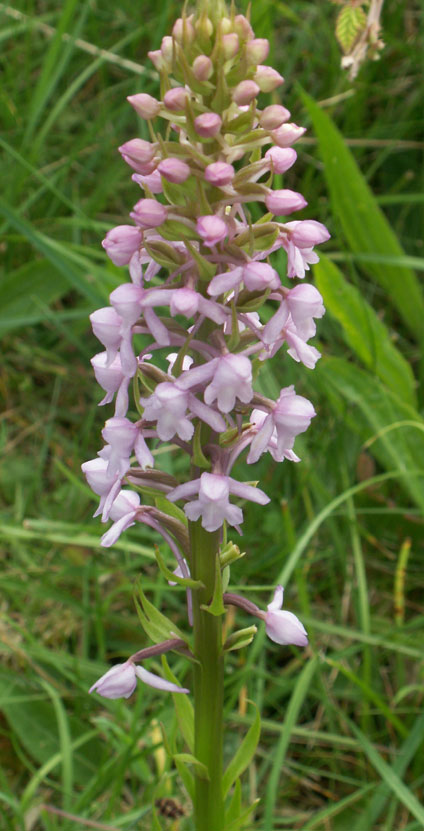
<point x="308" y="232"/>
<point x="212" y="229"/>
<point x="148" y="213"/>
<point x="207" y="125"/>
<point x="230" y="45"/>
<point x="183" y="31"/>
<point x="167" y="49"/>
<point x="257" y="51"/>
<point x="282" y="158"/>
<point x="119" y="682"/>
<point x="158" y="60"/>
<point x="121" y="242"/>
<point x="284" y="627"/>
<point x="287" y="134"/>
<point x="145" y="105"/>
<point x="175" y="99"/>
<point x="202" y="68"/>
<point x="268" y="78"/>
<point x="283" y="202"/>
<point x="204" y="27"/>
<point x="219" y="174"/>
<point x="245" y="92"/>
<point x="138" y="154"/>
<point x="273" y="117"/>
<point x="152" y="181"/>
<point x="243" y="27"/>
<point x="226" y="25"/>
<point x="174" y="170"/>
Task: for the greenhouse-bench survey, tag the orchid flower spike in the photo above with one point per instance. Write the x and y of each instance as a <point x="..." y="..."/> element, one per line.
<point x="283" y="627"/>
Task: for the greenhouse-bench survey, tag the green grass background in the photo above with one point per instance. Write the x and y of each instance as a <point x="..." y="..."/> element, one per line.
<point x="343" y="723"/>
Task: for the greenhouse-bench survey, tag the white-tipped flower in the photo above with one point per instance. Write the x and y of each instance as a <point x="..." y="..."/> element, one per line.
<point x="284" y="627"/>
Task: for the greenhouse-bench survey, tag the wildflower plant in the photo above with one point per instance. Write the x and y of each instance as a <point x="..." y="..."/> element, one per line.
<point x="186" y="335"/>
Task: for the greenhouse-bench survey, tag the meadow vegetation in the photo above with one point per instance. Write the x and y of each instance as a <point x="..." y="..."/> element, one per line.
<point x="343" y="723"/>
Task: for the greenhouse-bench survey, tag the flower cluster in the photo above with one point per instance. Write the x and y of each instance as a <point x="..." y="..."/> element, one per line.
<point x="199" y="281"/>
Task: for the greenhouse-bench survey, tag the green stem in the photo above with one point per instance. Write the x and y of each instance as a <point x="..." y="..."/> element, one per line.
<point x="208" y="683"/>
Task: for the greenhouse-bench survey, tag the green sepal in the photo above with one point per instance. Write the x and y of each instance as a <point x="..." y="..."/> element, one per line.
<point x="163" y="504"/>
<point x="234" y="339"/>
<point x="156" y="626"/>
<point x="253" y="189"/>
<point x="199" y="458"/>
<point x="230" y="553"/>
<point x="169" y="575"/>
<point x="175" y="231"/>
<point x="183" y="708"/>
<point x="226" y="573"/>
<point x="164" y="254"/>
<point x="206" y="270"/>
<point x="180" y="194"/>
<point x="240" y="639"/>
<point x="254" y="303"/>
<point x="188" y="759"/>
<point x="239" y="123"/>
<point x="244" y="753"/>
<point x="221" y="99"/>
<point x="216" y="606"/>
<point x="261" y="230"/>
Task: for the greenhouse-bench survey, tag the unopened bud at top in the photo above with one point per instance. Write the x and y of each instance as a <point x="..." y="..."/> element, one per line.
<point x="167" y="49"/>
<point x="175" y="99"/>
<point x="257" y="51"/>
<point x="245" y="92"/>
<point x="207" y="125"/>
<point x="183" y="31"/>
<point x="145" y="105"/>
<point x="243" y="27"/>
<point x="219" y="174"/>
<point x="268" y="78"/>
<point x="202" y="68"/>
<point x="138" y="154"/>
<point x="287" y="134"/>
<point x="174" y="170"/>
<point x="230" y="45"/>
<point x="273" y="117"/>
<point x="148" y="213"/>
<point x="282" y="158"/>
<point x="283" y="202"/>
<point x="158" y="60"/>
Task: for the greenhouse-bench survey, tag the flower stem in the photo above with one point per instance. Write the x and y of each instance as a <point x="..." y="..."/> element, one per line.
<point x="208" y="683"/>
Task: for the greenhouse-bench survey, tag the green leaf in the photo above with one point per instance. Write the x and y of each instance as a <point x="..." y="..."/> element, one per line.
<point x="297" y="698"/>
<point x="186" y="777"/>
<point x="350" y="22"/>
<point x="363" y="331"/>
<point x="163" y="504"/>
<point x="244" y="754"/>
<point x="188" y="759"/>
<point x="26" y="291"/>
<point x="183" y="707"/>
<point x="187" y="582"/>
<point x="364" y="225"/>
<point x="199" y="458"/>
<point x="236" y="824"/>
<point x="240" y="639"/>
<point x="234" y="809"/>
<point x="216" y="606"/>
<point x="394" y="431"/>
<point x="155" y="624"/>
<point x="388" y="774"/>
<point x="373" y="809"/>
